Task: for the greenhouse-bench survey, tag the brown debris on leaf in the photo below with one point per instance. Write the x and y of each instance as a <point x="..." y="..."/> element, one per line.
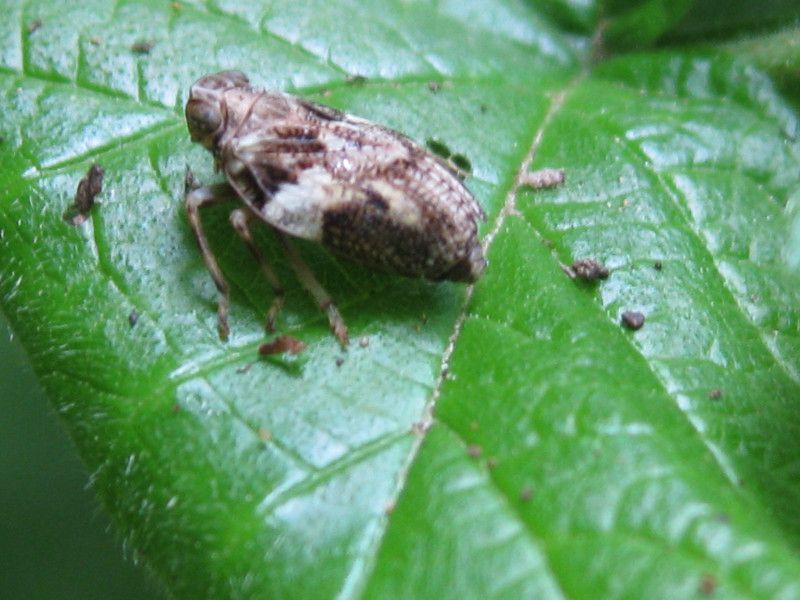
<point x="88" y="187"/>
<point x="355" y="79"/>
<point x="33" y="26"/>
<point x="585" y="269"/>
<point x="142" y="46"/>
<point x="633" y="320"/>
<point x="543" y="179"/>
<point x="283" y="344"/>
<point x="707" y="585"/>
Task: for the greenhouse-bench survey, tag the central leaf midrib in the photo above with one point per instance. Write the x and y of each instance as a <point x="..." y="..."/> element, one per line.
<point x="427" y="420"/>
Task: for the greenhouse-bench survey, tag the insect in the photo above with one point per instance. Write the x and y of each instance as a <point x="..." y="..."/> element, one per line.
<point x="365" y="192"/>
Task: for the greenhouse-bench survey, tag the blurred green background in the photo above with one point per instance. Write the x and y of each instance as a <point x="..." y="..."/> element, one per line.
<point x="55" y="542"/>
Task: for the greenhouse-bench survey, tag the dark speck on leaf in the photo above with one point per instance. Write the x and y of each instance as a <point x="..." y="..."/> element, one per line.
<point x="280" y="345"/>
<point x="355" y="80"/>
<point x="434" y="86"/>
<point x="715" y="394"/>
<point x="586" y="269"/>
<point x="707" y="585"/>
<point x="133" y="318"/>
<point x="658" y="265"/>
<point x="526" y="493"/>
<point x="633" y="320"/>
<point x="33" y="26"/>
<point x="244" y="369"/>
<point x="143" y="46"/>
<point x="474" y="450"/>
<point x="88" y="187"/>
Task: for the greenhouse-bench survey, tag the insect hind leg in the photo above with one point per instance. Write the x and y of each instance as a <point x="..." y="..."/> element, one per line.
<point x="314" y="287"/>
<point x="240" y="219"/>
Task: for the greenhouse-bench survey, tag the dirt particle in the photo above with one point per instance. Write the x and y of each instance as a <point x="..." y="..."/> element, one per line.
<point x="715" y="394"/>
<point x="632" y="319"/>
<point x="244" y="369"/>
<point x="280" y="345"/>
<point x="95" y="41"/>
<point x="133" y="318"/>
<point x="88" y="187"/>
<point x="526" y="493"/>
<point x="707" y="584"/>
<point x="142" y="46"/>
<point x="474" y="450"/>
<point x="339" y="361"/>
<point x="543" y="178"/>
<point x="33" y="26"/>
<point x="585" y="269"/>
<point x="658" y="265"/>
<point x="355" y="80"/>
<point x="434" y="86"/>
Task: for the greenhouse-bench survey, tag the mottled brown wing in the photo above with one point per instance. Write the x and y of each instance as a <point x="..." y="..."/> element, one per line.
<point x="365" y="192"/>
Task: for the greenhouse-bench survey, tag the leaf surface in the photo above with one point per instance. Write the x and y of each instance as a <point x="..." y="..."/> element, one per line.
<point x="566" y="456"/>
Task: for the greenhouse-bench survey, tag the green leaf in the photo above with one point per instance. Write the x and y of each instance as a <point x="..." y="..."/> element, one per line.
<point x="508" y="440"/>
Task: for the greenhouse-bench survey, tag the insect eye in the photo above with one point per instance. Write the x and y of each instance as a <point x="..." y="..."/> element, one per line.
<point x="202" y="118"/>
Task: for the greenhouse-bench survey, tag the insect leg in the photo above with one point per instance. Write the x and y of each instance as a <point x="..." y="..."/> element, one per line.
<point x="195" y="200"/>
<point x="240" y="219"/>
<point x="314" y="287"/>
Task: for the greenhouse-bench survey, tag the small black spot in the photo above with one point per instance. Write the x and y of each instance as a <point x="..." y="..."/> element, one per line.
<point x="376" y="201"/>
<point x="143" y="46"/>
<point x="275" y="176"/>
<point x="355" y="80"/>
<point x="633" y="320"/>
